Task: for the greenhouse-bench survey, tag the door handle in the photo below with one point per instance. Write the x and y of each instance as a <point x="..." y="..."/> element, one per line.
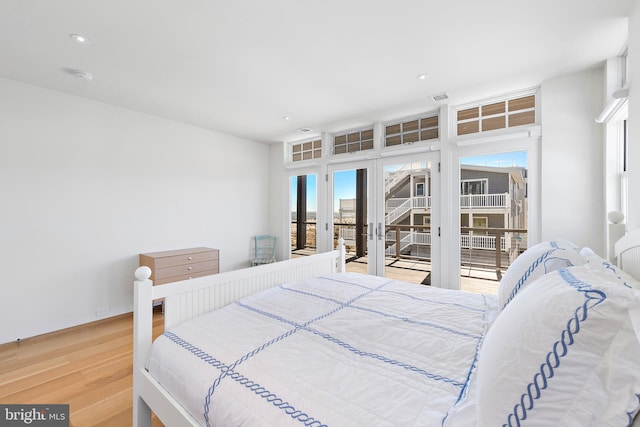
<point x="370" y="231"/>
<point x="380" y="231"/>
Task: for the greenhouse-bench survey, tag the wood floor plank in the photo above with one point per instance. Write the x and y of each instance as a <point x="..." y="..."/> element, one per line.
<point x="43" y="370"/>
<point x="87" y="367"/>
<point x="59" y="369"/>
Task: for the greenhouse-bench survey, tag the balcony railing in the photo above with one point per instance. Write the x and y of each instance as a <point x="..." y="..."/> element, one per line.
<point x="480" y="243"/>
<point x="511" y="244"/>
<point x="398" y="207"/>
<point x="484" y="201"/>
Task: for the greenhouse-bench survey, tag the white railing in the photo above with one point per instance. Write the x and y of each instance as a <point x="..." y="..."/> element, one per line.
<point x="482" y="242"/>
<point x="407" y="238"/>
<point x="398" y="207"/>
<point x="484" y="200"/>
<point x="422" y="202"/>
<point x="398" y="211"/>
<point x="405" y="241"/>
<point x="348" y="233"/>
<point x="421" y="238"/>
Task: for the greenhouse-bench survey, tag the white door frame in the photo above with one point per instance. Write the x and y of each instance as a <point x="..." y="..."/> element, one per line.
<point x="371" y="209"/>
<point x="320" y="197"/>
<point x="484" y="146"/>
<point x="427" y="156"/>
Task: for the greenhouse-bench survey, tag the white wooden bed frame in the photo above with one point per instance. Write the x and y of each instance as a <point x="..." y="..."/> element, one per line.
<point x="190" y="298"/>
<point x="627" y="252"/>
<point x="187" y="299"/>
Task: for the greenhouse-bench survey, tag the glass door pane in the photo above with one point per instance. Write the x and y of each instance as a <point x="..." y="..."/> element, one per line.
<point x="408" y="195"/>
<point x="493" y="217"/>
<point x="303" y="215"/>
<point x="350" y="215"/>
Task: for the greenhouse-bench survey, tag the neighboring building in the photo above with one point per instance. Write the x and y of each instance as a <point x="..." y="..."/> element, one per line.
<point x="490" y="197"/>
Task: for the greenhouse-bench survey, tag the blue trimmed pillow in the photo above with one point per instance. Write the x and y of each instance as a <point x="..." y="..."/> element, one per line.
<point x="564" y="353"/>
<point x="533" y="263"/>
<point x="616" y="273"/>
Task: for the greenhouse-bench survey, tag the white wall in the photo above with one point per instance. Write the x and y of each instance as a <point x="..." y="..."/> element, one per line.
<point x="572" y="167"/>
<point x="85" y="187"/>
<point x="280" y="222"/>
<point x="633" y="221"/>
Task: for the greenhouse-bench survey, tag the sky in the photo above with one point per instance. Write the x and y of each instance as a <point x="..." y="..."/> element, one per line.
<point x="516" y="158"/>
<point x="345" y="181"/>
<point x="311" y="193"/>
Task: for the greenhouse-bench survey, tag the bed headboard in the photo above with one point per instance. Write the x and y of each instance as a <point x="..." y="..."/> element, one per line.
<point x="627" y="251"/>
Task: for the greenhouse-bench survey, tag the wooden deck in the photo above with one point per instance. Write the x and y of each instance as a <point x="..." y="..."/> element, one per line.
<point x="477" y="281"/>
<point x="471" y="279"/>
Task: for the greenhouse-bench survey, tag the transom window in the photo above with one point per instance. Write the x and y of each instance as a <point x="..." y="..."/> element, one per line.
<point x="409" y="131"/>
<point x="306" y="150"/>
<point x="497" y="115"/>
<point x="353" y="141"/>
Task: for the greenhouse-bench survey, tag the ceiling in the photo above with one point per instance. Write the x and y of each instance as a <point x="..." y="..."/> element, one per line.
<point x="241" y="66"/>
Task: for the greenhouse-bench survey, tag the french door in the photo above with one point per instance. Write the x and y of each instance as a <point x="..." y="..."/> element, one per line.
<point x="385" y="210"/>
<point x="352" y="212"/>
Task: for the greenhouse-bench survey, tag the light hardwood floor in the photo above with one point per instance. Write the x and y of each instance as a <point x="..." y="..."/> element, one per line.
<point x="88" y="367"/>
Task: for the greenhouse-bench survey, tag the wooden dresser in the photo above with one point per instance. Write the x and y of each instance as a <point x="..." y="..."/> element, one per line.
<point x="181" y="264"/>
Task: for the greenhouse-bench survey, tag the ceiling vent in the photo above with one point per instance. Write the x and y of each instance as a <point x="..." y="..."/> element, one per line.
<point x="441" y="98"/>
<point x="305" y="130"/>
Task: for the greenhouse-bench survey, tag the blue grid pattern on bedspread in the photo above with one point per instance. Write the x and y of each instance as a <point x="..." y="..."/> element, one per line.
<point x="358" y="302"/>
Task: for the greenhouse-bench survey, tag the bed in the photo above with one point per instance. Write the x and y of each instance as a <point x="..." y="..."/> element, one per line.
<point x="302" y="342"/>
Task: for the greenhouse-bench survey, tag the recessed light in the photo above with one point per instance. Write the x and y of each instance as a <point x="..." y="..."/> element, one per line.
<point x="286" y="118"/>
<point x="422" y="77"/>
<point x="79" y="38"/>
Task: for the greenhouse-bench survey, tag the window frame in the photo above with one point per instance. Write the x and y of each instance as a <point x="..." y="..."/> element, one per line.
<point x="484" y="184"/>
<point x="291" y="150"/>
<point x="419" y="130"/>
<point x="347" y="143"/>
<point x="493" y="113"/>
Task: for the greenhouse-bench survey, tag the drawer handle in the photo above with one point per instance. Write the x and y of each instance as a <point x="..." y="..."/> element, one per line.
<point x="189" y="268"/>
<point x="190" y="258"/>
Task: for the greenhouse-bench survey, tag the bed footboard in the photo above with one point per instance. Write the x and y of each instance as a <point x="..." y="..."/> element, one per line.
<point x="190" y="298"/>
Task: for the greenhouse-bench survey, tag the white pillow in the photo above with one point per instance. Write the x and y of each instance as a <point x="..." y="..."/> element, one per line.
<point x="533" y="263"/>
<point x="564" y="353"/>
<point x="617" y="274"/>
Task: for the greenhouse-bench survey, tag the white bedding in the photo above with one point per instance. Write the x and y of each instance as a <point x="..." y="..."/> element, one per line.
<point x="341" y="350"/>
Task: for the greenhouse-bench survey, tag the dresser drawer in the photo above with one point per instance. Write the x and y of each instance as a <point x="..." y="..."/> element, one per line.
<point x="186" y="269"/>
<point x="179" y="257"/>
<point x="184" y="277"/>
